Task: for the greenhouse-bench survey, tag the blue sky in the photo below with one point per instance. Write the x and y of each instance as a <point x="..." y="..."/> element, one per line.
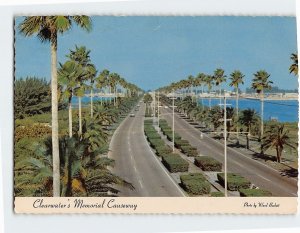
<point x="155" y="51"/>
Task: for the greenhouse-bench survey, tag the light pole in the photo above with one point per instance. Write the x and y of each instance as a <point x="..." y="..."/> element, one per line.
<point x="173" y="124"/>
<point x="154" y="109"/>
<point x="158" y="108"/>
<point x="225" y="143"/>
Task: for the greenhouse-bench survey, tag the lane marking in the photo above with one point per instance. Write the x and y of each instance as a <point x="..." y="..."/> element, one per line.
<point x="263" y="177"/>
<point x="141" y="184"/>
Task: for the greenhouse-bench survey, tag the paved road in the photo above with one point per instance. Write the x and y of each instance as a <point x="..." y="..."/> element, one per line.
<point x="261" y="175"/>
<point x="136" y="163"/>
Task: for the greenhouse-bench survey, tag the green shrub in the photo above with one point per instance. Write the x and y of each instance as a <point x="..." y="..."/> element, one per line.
<point x="217" y="194"/>
<point x="207" y="163"/>
<point x="149" y="128"/>
<point x="166" y="130"/>
<point x="154" y="143"/>
<point x="163" y="122"/>
<point x="170" y="136"/>
<point x="195" y="183"/>
<point x="174" y="163"/>
<point x="148" y="122"/>
<point x="153" y="135"/>
<point x="180" y="142"/>
<point x="163" y="150"/>
<point x="254" y="193"/>
<point x="234" y="181"/>
<point x="189" y="151"/>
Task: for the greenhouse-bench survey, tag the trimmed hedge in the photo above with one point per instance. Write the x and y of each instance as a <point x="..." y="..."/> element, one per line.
<point x="170" y="136"/>
<point x="234" y="181"/>
<point x="163" y="150"/>
<point x="154" y="143"/>
<point x="148" y="122"/>
<point x="189" y="151"/>
<point x="148" y="128"/>
<point x="195" y="183"/>
<point x="180" y="142"/>
<point x="207" y="163"/>
<point x="174" y="163"/>
<point x="166" y="130"/>
<point x="153" y="135"/>
<point x="254" y="193"/>
<point x="217" y="194"/>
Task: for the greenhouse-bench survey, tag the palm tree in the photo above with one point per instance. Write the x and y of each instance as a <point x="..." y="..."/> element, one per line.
<point x="190" y="81"/>
<point x="113" y="81"/>
<point x="101" y="81"/>
<point x="294" y="66"/>
<point x="68" y="75"/>
<point x="91" y="74"/>
<point x="248" y="118"/>
<point x="219" y="77"/>
<point x="209" y="82"/>
<point x="47" y="28"/>
<point x="236" y="78"/>
<point x="259" y="83"/>
<point x="200" y="81"/>
<point x="81" y="55"/>
<point x="277" y="137"/>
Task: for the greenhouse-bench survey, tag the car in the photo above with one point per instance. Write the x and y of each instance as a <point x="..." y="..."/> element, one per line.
<point x="138" y="105"/>
<point x="166" y="107"/>
<point x="132" y="115"/>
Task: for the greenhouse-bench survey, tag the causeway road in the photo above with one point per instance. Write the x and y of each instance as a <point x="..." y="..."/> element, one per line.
<point x="136" y="163"/>
<point x="258" y="173"/>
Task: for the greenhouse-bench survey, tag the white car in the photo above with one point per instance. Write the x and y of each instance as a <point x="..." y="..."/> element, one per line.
<point x="166" y="107"/>
<point x="132" y="115"/>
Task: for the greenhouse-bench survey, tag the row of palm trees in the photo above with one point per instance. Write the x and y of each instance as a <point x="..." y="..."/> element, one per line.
<point x="79" y="75"/>
<point x="276" y="135"/>
<point x="260" y="83"/>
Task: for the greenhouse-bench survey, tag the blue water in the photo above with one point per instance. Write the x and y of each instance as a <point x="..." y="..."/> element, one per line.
<point x="283" y="110"/>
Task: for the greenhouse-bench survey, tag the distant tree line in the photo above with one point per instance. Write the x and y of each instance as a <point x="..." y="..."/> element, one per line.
<point x="274" y="89"/>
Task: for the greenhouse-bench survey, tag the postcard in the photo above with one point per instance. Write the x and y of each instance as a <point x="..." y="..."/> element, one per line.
<point x="155" y="114"/>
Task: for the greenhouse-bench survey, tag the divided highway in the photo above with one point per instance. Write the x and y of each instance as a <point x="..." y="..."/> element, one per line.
<point x="136" y="163"/>
<point x="261" y="175"/>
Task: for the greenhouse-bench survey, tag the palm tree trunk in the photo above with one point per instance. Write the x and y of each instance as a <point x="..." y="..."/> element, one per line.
<point x="80" y="120"/>
<point x="115" y="96"/>
<point x="237" y="115"/>
<point x="247" y="136"/>
<point x="262" y="115"/>
<point x="110" y="94"/>
<point x="54" y="123"/>
<point x="70" y="117"/>
<point x="202" y="97"/>
<point x="192" y="93"/>
<point x="92" y="103"/>
<point x="279" y="151"/>
<point x="220" y="94"/>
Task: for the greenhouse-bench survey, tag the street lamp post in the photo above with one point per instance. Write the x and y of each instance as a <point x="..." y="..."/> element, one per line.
<point x="225" y="144"/>
<point x="173" y="123"/>
<point x="154" y="107"/>
<point x="158" y="108"/>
